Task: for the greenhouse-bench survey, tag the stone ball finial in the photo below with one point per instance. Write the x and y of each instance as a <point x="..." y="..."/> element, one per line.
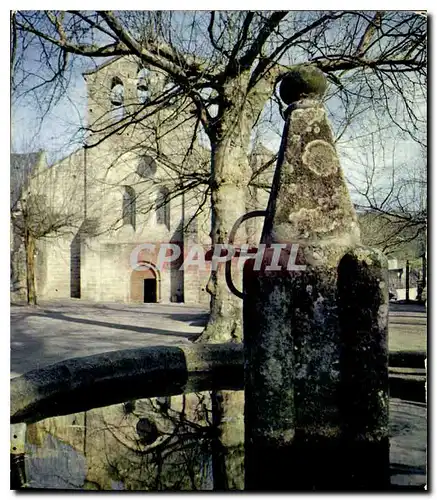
<point x="303" y="81"/>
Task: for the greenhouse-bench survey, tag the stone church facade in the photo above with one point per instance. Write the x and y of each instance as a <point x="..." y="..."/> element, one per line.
<point x="123" y="189"/>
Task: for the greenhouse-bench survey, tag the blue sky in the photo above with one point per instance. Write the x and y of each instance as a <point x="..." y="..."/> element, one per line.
<point x="58" y="131"/>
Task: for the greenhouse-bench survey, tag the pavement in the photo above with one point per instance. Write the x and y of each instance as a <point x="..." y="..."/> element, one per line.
<point x="58" y="330"/>
<point x="407" y="327"/>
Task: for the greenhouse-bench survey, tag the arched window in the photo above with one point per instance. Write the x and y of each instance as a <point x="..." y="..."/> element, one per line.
<point x="143" y="84"/>
<point x="117" y="99"/>
<point x="129" y="206"/>
<point x="163" y="207"/>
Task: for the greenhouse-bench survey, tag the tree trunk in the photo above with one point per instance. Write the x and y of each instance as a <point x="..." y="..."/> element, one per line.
<point x="230" y="177"/>
<point x="407" y="282"/>
<point x="423" y="271"/>
<point x="29" y="245"/>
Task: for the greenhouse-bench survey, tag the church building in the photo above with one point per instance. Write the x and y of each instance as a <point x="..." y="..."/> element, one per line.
<point x="140" y="178"/>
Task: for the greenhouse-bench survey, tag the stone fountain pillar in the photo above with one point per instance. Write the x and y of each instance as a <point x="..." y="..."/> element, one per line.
<point x="315" y="336"/>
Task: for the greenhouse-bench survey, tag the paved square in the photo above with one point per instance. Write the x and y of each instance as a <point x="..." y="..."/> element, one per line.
<point x="55" y="331"/>
<point x="407" y="327"/>
<point x="58" y="330"/>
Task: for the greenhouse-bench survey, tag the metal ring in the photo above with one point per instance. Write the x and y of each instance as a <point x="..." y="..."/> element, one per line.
<point x="228" y="275"/>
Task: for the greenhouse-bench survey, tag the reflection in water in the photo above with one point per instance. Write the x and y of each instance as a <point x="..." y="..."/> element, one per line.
<point x="147" y="444"/>
<point x="191" y="442"/>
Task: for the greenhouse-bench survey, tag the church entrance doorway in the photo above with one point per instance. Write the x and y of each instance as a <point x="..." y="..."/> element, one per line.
<point x="145" y="285"/>
<point x="150" y="290"/>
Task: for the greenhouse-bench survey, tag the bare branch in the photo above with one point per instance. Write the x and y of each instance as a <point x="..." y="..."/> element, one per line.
<point x="364" y="43"/>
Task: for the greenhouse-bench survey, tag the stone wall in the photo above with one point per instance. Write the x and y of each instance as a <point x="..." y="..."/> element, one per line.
<point x="53" y="269"/>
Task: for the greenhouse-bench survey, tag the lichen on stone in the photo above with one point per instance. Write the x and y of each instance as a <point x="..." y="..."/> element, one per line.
<point x="303" y="118"/>
<point x="321" y="158"/>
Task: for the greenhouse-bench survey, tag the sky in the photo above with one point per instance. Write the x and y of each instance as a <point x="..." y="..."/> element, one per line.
<point x="58" y="132"/>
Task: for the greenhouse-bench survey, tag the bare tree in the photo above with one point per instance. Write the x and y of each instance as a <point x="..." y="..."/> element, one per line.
<point x="34" y="215"/>
<point x="391" y="197"/>
<point x="227" y="65"/>
<point x="392" y="194"/>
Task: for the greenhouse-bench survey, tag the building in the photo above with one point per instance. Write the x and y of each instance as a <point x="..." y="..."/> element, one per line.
<point x="125" y="188"/>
